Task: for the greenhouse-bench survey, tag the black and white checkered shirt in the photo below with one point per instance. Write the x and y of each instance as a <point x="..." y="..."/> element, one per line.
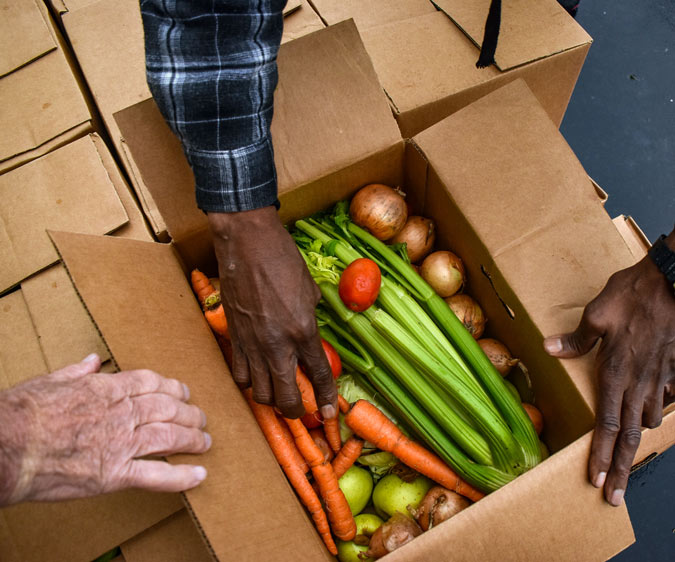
<point x="211" y="67"/>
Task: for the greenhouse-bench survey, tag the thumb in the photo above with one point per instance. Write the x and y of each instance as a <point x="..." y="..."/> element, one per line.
<point x="89" y="365"/>
<point x="579" y="342"/>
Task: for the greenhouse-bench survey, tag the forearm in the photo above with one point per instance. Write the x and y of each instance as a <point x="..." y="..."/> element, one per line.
<point x="14" y="425"/>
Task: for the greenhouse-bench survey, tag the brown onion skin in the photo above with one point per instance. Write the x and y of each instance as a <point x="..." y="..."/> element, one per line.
<point x="444" y="271"/>
<point x="393" y="534"/>
<point x="535" y="416"/>
<point x="419" y="234"/>
<point x="439" y="505"/>
<point x="498" y="354"/>
<point x="380" y="209"/>
<point x="469" y="313"/>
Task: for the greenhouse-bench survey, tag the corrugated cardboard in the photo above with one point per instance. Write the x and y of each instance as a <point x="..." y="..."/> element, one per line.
<point x="175" y="539"/>
<point x="426" y="64"/>
<point x="65" y="189"/>
<point x="532" y="242"/>
<point x="300" y="21"/>
<point x="371" y="13"/>
<point x="43" y="107"/>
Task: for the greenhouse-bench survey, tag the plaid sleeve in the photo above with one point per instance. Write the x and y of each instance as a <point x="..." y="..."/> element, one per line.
<point x="211" y="67"/>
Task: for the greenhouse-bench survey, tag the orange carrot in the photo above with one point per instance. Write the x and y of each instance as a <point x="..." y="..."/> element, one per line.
<point x="320" y="439"/>
<point x="371" y="424"/>
<point x="343" y="404"/>
<point x="350" y="451"/>
<point x="270" y="425"/>
<point x="332" y="430"/>
<point x="217" y="320"/>
<point x="339" y="513"/>
<point x="201" y="285"/>
<point x="307" y="391"/>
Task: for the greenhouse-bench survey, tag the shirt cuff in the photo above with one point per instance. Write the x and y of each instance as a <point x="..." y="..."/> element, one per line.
<point x="230" y="181"/>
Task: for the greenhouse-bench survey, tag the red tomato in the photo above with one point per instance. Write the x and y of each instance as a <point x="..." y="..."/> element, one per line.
<point x="333" y="358"/>
<point x="360" y="284"/>
<point x="312" y="420"/>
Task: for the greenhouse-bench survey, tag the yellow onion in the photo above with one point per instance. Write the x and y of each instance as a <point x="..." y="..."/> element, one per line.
<point x="419" y="235"/>
<point x="469" y="313"/>
<point x="498" y="354"/>
<point x="444" y="271"/>
<point x="535" y="416"/>
<point x="380" y="209"/>
<point x="437" y="506"/>
<point x="393" y="534"/>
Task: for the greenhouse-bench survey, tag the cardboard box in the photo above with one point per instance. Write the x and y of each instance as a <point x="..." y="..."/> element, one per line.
<point x="107" y="38"/>
<point x="426" y="60"/>
<point x="523" y="232"/>
<point x="43" y="107"/>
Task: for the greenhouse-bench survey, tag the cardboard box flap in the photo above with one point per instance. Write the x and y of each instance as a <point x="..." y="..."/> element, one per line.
<point x="533" y="207"/>
<point x="371" y="13"/>
<point x="141" y="286"/>
<point x="299" y="22"/>
<point x="635" y="239"/>
<point x="552" y="513"/>
<point x="66" y="189"/>
<point x="24" y="35"/>
<point x="530" y="29"/>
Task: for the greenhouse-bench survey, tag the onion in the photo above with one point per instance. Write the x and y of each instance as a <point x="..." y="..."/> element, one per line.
<point x="419" y="235"/>
<point x="535" y="416"/>
<point x="444" y="271"/>
<point x="439" y="505"/>
<point x="393" y="534"/>
<point x="469" y="313"/>
<point x="379" y="209"/>
<point x="498" y="354"/>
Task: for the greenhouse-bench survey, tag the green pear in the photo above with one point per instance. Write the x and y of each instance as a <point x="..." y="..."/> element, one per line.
<point x="366" y="525"/>
<point x="393" y="494"/>
<point x="356" y="484"/>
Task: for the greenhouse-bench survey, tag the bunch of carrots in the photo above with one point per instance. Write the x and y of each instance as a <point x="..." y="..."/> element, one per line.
<point x="299" y="452"/>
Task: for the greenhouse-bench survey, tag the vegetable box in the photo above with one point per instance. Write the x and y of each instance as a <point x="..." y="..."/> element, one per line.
<point x="507" y="194"/>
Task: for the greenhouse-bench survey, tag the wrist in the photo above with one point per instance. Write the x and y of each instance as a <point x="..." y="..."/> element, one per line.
<point x="14" y="423"/>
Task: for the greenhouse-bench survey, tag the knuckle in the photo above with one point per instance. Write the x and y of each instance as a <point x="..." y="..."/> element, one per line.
<point x="630" y="437"/>
<point x="609" y="424"/>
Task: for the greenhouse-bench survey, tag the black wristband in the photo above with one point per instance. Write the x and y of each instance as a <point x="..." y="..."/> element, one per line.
<point x="664" y="258"/>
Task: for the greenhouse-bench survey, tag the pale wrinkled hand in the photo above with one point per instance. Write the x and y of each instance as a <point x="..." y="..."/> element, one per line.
<point x="269" y="299"/>
<point x="81" y="433"/>
<point x="635" y="317"/>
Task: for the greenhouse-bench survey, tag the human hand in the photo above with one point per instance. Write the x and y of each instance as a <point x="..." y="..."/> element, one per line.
<point x="76" y="433"/>
<point x="269" y="299"/>
<point x="635" y="317"/>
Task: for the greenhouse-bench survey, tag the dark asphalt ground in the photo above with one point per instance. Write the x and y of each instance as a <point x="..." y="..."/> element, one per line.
<point x="621" y="124"/>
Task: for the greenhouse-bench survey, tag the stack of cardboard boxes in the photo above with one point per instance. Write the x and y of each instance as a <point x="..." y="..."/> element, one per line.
<point x="393" y="97"/>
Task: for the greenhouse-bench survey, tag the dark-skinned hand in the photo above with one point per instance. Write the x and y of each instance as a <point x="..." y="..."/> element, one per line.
<point x="634" y="315"/>
<point x="269" y="299"/>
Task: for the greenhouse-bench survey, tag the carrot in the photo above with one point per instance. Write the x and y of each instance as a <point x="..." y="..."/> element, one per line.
<point x="321" y="442"/>
<point x="307" y="391"/>
<point x="350" y="451"/>
<point x="332" y="430"/>
<point x="282" y="449"/>
<point x="201" y="285"/>
<point x="371" y="424"/>
<point x="343" y="404"/>
<point x="215" y="314"/>
<point x="339" y="513"/>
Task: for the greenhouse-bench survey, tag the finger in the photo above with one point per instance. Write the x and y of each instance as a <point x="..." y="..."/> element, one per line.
<point x="261" y="382"/>
<point x="652" y="409"/>
<point x="152" y="408"/>
<point x="240" y="370"/>
<point x="582" y="340"/>
<point x="287" y="397"/>
<point x="160" y="476"/>
<point x="168" y="439"/>
<point x="607" y="424"/>
<point x="144" y="381"/>
<point x="319" y="372"/>
<point x="625" y="448"/>
<point x="89" y="365"/>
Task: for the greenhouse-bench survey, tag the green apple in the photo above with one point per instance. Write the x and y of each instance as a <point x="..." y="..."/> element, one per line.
<point x="393" y="494"/>
<point x="366" y="524"/>
<point x="356" y="484"/>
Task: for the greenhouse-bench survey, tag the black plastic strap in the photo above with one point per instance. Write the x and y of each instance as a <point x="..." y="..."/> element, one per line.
<point x="491" y="35"/>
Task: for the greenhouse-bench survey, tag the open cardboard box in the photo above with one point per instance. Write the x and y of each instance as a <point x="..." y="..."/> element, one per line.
<point x="508" y="195"/>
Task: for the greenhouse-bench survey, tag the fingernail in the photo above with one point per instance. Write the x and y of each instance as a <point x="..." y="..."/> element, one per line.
<point x="617" y="497"/>
<point x="186" y="391"/>
<point x="199" y="472"/>
<point x="90" y="358"/>
<point x="328" y="411"/>
<point x="203" y="420"/>
<point x="600" y="479"/>
<point x="553" y="344"/>
<point x="207" y="440"/>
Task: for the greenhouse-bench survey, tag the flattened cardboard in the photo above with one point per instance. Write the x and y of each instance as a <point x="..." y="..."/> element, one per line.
<point x="64" y="189"/>
<point x="22" y="20"/>
<point x="302" y="21"/>
<point x="165" y="331"/>
<point x="66" y="332"/>
<point x="635" y="239"/>
<point x="542" y="212"/>
<point x="292" y="6"/>
<point x="371" y="13"/>
<point x="176" y="539"/>
<point x="21" y="357"/>
<point x="530" y="29"/>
